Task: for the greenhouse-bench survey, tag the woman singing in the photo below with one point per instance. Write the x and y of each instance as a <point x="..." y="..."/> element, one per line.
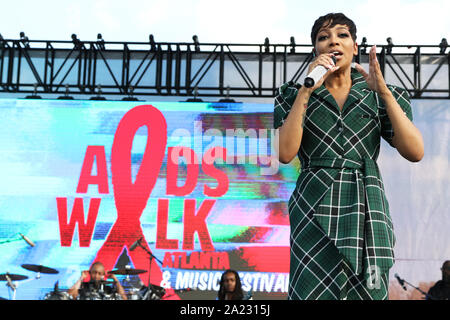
<point x="342" y="236"/>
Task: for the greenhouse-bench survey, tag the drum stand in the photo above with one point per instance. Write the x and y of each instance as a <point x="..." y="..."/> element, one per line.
<point x="150" y="257"/>
<point x="12" y="286"/>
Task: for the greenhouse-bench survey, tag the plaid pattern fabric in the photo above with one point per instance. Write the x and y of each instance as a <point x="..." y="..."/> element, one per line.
<point x="341" y="232"/>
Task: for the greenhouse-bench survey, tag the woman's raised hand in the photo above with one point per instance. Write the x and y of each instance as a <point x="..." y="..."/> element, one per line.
<point x="374" y="78"/>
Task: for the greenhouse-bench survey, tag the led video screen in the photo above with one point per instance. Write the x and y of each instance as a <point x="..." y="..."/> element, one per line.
<point x="196" y="183"/>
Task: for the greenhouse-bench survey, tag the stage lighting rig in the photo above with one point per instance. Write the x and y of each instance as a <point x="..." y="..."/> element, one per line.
<point x="364" y="45"/>
<point x="100" y="41"/>
<point x="389" y="46"/>
<point x="443" y="45"/>
<point x="195" y="99"/>
<point x="130" y="96"/>
<point x="227" y="98"/>
<point x="99" y="94"/>
<point x="66" y="94"/>
<point x="76" y="42"/>
<point x="34" y="95"/>
<point x="196" y="43"/>
<point x="24" y="39"/>
<point x="266" y="45"/>
<point x="292" y="45"/>
<point x="152" y="43"/>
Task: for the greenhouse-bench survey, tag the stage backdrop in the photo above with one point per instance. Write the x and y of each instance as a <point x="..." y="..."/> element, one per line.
<point x="196" y="183"/>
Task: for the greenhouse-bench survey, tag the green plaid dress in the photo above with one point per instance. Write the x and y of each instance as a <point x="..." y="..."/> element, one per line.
<point x="341" y="239"/>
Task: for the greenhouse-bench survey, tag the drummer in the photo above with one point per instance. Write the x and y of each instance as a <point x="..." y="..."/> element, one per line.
<point x="97" y="275"/>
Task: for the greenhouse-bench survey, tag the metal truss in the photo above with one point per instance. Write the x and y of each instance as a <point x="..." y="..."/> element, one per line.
<point x="131" y="69"/>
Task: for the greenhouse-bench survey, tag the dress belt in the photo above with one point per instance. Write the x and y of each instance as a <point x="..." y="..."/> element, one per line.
<point x="372" y="230"/>
<point x="366" y="165"/>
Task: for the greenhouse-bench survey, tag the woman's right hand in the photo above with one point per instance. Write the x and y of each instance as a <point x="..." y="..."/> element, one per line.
<point x="325" y="60"/>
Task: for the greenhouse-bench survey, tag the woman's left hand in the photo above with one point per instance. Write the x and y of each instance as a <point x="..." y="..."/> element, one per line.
<point x="374" y="78"/>
<point x="407" y="139"/>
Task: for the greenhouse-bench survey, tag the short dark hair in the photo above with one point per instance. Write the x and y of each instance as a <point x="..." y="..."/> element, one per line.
<point x="332" y="19"/>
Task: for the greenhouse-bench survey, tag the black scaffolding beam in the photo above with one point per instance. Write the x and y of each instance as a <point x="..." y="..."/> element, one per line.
<point x="202" y="70"/>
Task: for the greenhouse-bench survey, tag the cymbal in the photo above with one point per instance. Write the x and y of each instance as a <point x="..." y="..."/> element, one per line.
<point x="128" y="271"/>
<point x="39" y="268"/>
<point x="12" y="277"/>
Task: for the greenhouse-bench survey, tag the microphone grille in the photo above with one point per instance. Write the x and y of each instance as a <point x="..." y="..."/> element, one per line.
<point x="309" y="82"/>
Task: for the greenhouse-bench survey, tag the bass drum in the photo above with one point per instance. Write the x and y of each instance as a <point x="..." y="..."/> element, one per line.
<point x="134" y="294"/>
<point x="98" y="291"/>
<point x="95" y="295"/>
<point x="153" y="292"/>
<point x="58" y="295"/>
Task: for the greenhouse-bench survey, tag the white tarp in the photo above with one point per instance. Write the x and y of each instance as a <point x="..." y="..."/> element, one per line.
<point x="419" y="198"/>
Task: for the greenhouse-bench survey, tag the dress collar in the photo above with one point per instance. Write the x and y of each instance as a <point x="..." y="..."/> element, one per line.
<point x="357" y="92"/>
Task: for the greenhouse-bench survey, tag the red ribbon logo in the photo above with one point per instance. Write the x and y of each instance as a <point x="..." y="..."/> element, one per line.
<point x="131" y="197"/>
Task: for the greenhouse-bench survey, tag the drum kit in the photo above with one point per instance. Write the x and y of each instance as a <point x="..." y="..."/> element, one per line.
<point x="152" y="292"/>
<point x="11" y="279"/>
<point x="103" y="290"/>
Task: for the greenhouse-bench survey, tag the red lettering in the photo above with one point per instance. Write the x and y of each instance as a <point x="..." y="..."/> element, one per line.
<point x="205" y="260"/>
<point x="85" y="230"/>
<point x="178" y="257"/>
<point x="86" y="177"/>
<point x="224" y="261"/>
<point x="197" y="223"/>
<point x="183" y="258"/>
<point x="167" y="262"/>
<point x="214" y="262"/>
<point x="197" y="260"/>
<point x="210" y="170"/>
<point x="193" y="260"/>
<point x="192" y="169"/>
<point x="161" y="227"/>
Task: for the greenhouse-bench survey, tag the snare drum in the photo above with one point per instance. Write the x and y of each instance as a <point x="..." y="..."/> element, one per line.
<point x="57" y="295"/>
<point x="95" y="295"/>
<point x="98" y="291"/>
<point x="107" y="293"/>
<point x="153" y="292"/>
<point x="89" y="295"/>
<point x="134" y="294"/>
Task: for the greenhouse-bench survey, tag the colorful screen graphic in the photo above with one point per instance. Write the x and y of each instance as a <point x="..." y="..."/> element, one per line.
<point x="196" y="183"/>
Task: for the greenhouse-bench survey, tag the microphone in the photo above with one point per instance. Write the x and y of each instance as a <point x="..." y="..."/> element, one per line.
<point x="27" y="240"/>
<point x="401" y="281"/>
<point x="135" y="244"/>
<point x="317" y="73"/>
